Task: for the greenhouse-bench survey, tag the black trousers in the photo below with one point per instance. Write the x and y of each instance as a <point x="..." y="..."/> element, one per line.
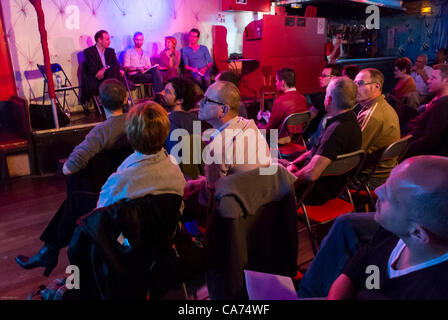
<point x="61" y="227"/>
<point x="154" y="76"/>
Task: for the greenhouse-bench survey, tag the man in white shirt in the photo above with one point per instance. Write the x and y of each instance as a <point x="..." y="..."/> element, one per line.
<point x="421" y="72"/>
<point x="137" y="63"/>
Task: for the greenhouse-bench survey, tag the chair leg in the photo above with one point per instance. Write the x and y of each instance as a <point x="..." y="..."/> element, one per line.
<point x="262" y="102"/>
<point x="372" y="202"/>
<point x="308" y="227"/>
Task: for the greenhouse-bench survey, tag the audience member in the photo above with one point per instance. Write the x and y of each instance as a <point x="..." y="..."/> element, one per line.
<point x="197" y="59"/>
<point x="409" y="252"/>
<point x="149" y="170"/>
<point x="232" y="77"/>
<point x="441" y="56"/>
<point x="110" y="134"/>
<point x="170" y="59"/>
<point x="379" y="122"/>
<point x="317" y="109"/>
<point x="421" y="73"/>
<point x="224" y="154"/>
<point x="430" y="129"/>
<point x="342" y="134"/>
<point x="101" y="63"/>
<point x="137" y="63"/>
<point x="179" y="99"/>
<point x="291" y="101"/>
<point x="350" y="71"/>
<point x="405" y="91"/>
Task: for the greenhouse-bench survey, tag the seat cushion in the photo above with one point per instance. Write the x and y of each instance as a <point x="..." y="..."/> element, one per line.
<point x="11" y="141"/>
<point x="328" y="211"/>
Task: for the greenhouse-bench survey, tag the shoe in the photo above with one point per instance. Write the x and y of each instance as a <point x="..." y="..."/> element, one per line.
<point x="46" y="257"/>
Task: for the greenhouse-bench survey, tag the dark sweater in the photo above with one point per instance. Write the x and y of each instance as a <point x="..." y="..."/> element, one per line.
<point x="430" y="130"/>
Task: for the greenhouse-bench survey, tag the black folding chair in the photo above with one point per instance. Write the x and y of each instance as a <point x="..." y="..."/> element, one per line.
<point x="56" y="69"/>
<point x="296" y="124"/>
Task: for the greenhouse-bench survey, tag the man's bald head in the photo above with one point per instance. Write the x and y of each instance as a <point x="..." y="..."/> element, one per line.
<point x="421" y="185"/>
<point x="227" y="93"/>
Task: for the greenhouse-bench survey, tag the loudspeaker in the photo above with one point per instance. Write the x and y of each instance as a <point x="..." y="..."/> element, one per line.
<point x="42" y="117"/>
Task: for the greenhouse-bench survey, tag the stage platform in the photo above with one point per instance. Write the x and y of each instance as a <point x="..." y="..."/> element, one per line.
<point x="52" y="145"/>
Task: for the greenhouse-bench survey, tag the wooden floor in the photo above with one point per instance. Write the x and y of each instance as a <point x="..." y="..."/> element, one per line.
<point x="26" y="206"/>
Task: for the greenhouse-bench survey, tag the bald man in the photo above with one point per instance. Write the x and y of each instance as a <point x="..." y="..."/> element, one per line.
<point x="224" y="155"/>
<point x="410" y="250"/>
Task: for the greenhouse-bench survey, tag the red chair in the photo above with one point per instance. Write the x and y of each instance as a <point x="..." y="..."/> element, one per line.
<point x="347" y="165"/>
<point x="295" y="124"/>
<point x="15" y="132"/>
<point x="268" y="88"/>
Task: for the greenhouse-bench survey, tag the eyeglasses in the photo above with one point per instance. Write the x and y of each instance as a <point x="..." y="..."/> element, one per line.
<point x="206" y="100"/>
<point x="361" y="83"/>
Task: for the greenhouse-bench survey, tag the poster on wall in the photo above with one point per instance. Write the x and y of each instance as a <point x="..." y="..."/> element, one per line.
<point x="241" y="1"/>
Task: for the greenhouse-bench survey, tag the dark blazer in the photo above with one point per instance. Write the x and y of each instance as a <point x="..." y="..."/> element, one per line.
<point x="93" y="64"/>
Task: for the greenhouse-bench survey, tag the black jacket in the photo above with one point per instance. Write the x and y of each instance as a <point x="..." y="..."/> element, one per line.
<point x="110" y="270"/>
<point x="254" y="227"/>
<point x="93" y="64"/>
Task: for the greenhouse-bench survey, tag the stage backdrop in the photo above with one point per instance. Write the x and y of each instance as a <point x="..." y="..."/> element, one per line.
<point x="71" y="25"/>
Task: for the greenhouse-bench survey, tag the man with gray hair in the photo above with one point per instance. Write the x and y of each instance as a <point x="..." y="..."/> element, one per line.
<point x="421" y="73"/>
<point x="342" y="134"/>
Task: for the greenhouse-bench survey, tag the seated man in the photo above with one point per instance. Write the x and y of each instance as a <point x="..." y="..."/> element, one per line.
<point x="342" y="135"/>
<point x="379" y="122"/>
<point x="149" y="170"/>
<point x="197" y="59"/>
<point x="315" y="127"/>
<point x="178" y="99"/>
<point x="101" y="63"/>
<point x="138" y="64"/>
<point x="232" y="77"/>
<point x="237" y="143"/>
<point x="407" y="257"/>
<point x="109" y="134"/>
<point x="421" y="73"/>
<point x="430" y="129"/>
<point x="291" y="101"/>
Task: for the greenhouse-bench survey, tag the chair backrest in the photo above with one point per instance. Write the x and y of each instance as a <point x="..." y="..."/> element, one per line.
<point x="294" y="120"/>
<point x="346" y="165"/>
<point x="268" y="75"/>
<point x="396" y="149"/>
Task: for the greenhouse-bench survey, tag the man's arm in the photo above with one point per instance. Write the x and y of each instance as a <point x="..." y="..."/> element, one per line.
<point x="92" y="144"/>
<point x="274" y="119"/>
<point x="369" y="128"/>
<point x="312" y="171"/>
<point x="342" y="289"/>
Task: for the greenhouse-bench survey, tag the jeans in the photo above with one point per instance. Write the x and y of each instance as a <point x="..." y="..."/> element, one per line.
<point x="154" y="76"/>
<point x="347" y="232"/>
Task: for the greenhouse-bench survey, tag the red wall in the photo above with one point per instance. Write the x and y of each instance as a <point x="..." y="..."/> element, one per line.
<point x="251" y="5"/>
<point x="7" y="82"/>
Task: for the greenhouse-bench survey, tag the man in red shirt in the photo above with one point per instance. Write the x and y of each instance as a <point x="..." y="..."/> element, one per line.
<point x="333" y="48"/>
<point x="291" y="101"/>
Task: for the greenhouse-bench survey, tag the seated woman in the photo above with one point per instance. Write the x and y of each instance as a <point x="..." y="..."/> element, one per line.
<point x="149" y="170"/>
<point x="170" y="59"/>
<point x="405" y="90"/>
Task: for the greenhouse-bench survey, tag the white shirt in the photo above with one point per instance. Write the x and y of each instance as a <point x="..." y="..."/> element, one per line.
<point x="396" y="254"/>
<point x="422" y="87"/>
<point x="103" y="59"/>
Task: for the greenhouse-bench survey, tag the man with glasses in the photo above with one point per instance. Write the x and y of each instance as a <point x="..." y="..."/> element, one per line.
<point x="224" y="155"/>
<point x="379" y="122"/>
<point x="421" y="73"/>
<point x="317" y="109"/>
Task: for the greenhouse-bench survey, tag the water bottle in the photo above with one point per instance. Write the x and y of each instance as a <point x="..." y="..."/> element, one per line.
<point x="58" y="82"/>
